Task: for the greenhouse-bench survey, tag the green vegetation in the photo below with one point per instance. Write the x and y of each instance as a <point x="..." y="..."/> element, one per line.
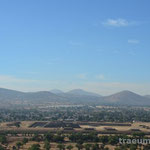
<point x="18" y="145"/>
<point x="61" y="146"/>
<point x="84" y="113"/>
<point x="69" y="147"/>
<point x="3" y="139"/>
<point x="35" y="147"/>
<point x="25" y="140"/>
<point x="47" y="145"/>
<point x="2" y="148"/>
<point x="81" y="140"/>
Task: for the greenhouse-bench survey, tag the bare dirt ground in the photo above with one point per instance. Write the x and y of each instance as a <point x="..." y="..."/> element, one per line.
<point x="135" y="125"/>
<point x="25" y="126"/>
<point x="142" y="126"/>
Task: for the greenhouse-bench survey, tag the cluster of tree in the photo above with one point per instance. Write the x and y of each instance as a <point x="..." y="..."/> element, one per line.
<point x="82" y="141"/>
<point x="20" y="144"/>
<point x="35" y="147"/>
<point x="49" y="137"/>
<point x="61" y="146"/>
<point x="2" y="148"/>
<point x="3" y="139"/>
<point x="85" y="113"/>
<point x="80" y="137"/>
<point x="117" y="115"/>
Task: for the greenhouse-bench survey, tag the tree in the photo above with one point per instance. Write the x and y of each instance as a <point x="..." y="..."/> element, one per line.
<point x="87" y="146"/>
<point x="18" y="145"/>
<point x="133" y="147"/>
<point x="69" y="147"/>
<point x="25" y="140"/>
<point x="3" y="139"/>
<point x="35" y="147"/>
<point x="61" y="146"/>
<point x="146" y="147"/>
<point x="96" y="147"/>
<point x="47" y="145"/>
<point x="104" y="139"/>
<point x="36" y="137"/>
<point x="76" y="137"/>
<point x="138" y="135"/>
<point x="2" y="148"/>
<point x="48" y="137"/>
<point x="18" y="125"/>
<point x="79" y="146"/>
<point x="113" y="140"/>
<point x="58" y="138"/>
<point x="14" y="148"/>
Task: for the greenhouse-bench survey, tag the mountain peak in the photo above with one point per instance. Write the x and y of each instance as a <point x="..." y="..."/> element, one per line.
<point x="77" y="90"/>
<point x="56" y="91"/>
<point x="128" y="98"/>
<point x="83" y="93"/>
<point x="126" y="91"/>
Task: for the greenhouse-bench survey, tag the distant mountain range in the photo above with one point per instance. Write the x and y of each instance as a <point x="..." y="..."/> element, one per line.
<point x="148" y="96"/>
<point x="76" y="96"/>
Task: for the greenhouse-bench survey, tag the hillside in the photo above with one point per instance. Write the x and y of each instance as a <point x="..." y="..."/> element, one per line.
<point x="83" y="93"/>
<point x="76" y="96"/>
<point x="127" y="98"/>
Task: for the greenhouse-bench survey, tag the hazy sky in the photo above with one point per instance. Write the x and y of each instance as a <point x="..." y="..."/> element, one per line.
<point x="96" y="45"/>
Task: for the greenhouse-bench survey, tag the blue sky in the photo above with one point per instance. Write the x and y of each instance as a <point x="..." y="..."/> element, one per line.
<point x="100" y="46"/>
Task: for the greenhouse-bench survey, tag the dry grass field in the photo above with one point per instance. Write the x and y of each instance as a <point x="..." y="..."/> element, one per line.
<point x="25" y="126"/>
<point x="53" y="145"/>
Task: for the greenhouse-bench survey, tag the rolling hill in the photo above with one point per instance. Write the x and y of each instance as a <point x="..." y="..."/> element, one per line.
<point x="83" y="93"/>
<point x="76" y="96"/>
<point x="127" y="98"/>
<point x="56" y="91"/>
